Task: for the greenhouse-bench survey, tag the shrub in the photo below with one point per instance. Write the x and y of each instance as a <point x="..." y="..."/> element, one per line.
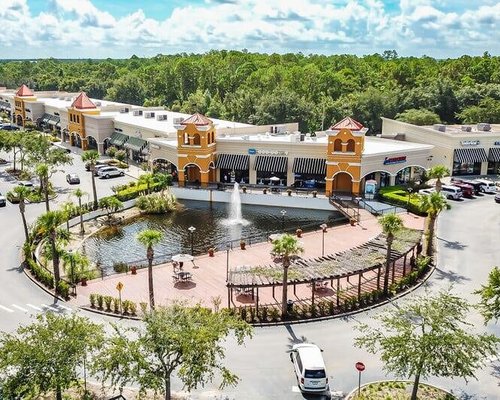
<point x="63" y="289"/>
<point x="92" y="298"/>
<point x="134" y="191"/>
<point x="263" y="314"/>
<point x="331" y="307"/>
<point x="120" y="267"/>
<point x="41" y="274"/>
<point x="274" y="313"/>
<point x="133" y="307"/>
<point x="125" y="306"/>
<point x="156" y="203"/>
<point x="120" y="155"/>
<point x="144" y="307"/>
<point x="111" y="151"/>
<point x="322" y="307"/>
<point x="397" y="195"/>
<point x="107" y="301"/>
<point x="100" y="301"/>
<point x="243" y="313"/>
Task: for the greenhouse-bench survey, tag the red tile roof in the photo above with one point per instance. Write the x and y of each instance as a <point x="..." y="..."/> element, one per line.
<point x="348" y="123"/>
<point x="197" y="119"/>
<point x="24" y="91"/>
<point x="83" y="102"/>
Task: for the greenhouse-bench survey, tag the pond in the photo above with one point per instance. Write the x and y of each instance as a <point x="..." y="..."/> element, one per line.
<point x="213" y="229"/>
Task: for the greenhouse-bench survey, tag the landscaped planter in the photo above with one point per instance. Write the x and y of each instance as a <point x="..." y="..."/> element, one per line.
<point x="383" y="390"/>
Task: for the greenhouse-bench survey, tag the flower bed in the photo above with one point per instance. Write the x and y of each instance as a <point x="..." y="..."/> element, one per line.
<point x="398" y="390"/>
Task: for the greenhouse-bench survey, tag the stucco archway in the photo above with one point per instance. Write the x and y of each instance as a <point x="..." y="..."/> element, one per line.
<point x="342" y="182"/>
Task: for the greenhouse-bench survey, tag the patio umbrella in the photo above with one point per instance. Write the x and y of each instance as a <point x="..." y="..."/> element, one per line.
<point x="183" y="258"/>
<point x="274" y="179"/>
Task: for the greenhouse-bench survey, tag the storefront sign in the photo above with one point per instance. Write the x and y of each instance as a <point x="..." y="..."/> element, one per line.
<point x="394" y="160"/>
<point x="268" y="152"/>
<point x="469" y="142"/>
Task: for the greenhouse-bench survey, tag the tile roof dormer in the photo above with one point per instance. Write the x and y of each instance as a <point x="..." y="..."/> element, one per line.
<point x="82" y="102"/>
<point x="198" y="120"/>
<point x="24" y="91"/>
<point x="347" y="123"/>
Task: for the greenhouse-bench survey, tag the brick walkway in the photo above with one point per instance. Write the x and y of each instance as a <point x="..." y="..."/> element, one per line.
<point x="209" y="273"/>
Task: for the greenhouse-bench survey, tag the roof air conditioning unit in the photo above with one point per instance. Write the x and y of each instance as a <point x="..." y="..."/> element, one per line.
<point x="483" y="127"/>
<point x="149" y="115"/>
<point x="281" y="129"/>
<point x="162" y="117"/>
<point x="439" y="127"/>
<point x="466" y="128"/>
<point x="98" y="103"/>
<point x="124" y="110"/>
<point x="246" y="137"/>
<point x="137" y="113"/>
<point x="178" y="120"/>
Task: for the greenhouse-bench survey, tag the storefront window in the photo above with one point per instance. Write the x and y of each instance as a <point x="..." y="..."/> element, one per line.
<point x="309" y="181"/>
<point x="403" y="176"/>
<point x="385" y="179"/>
<point x="466" y="169"/>
<point x="493" y="168"/>
<point x="231" y="176"/>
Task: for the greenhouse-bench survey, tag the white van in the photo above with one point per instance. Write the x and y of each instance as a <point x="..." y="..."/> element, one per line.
<point x="108" y="172"/>
<point x="452" y="192"/>
<point x="486" y="186"/>
<point x="309" y="367"/>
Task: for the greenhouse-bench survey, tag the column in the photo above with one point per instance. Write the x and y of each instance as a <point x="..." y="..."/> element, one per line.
<point x="252" y="176"/>
<point x="100" y="148"/>
<point x="392" y="180"/>
<point x="84" y="142"/>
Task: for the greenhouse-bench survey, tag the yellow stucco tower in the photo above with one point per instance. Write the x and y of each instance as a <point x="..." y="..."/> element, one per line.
<point x="346" y="140"/>
<point x="21" y="104"/>
<point x="196" y="150"/>
<point x="76" y="121"/>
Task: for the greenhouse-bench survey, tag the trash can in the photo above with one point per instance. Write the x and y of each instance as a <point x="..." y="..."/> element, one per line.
<point x="289" y="306"/>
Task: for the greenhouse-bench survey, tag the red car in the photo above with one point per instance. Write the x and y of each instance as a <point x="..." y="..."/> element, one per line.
<point x="467" y="190"/>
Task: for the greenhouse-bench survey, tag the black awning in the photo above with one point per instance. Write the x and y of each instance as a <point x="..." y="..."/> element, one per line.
<point x="135" y="143"/>
<point x="117" y="139"/>
<point x="237" y="162"/>
<point x="470" y="156"/>
<point x="271" y="164"/>
<point x="494" y="155"/>
<point x="315" y="166"/>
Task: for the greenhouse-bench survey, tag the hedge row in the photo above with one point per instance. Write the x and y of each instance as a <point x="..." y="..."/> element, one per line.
<point x="398" y="196"/>
<point x="47" y="279"/>
<point x="112" y="304"/>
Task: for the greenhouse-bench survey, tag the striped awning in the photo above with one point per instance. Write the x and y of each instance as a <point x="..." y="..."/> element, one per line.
<point x="315" y="166"/>
<point x="494" y="155"/>
<point x="238" y="162"/>
<point x="271" y="164"/>
<point x="117" y="139"/>
<point x="135" y="143"/>
<point x="470" y="156"/>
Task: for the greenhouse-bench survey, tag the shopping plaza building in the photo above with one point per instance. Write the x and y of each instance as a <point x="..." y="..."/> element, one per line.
<point x="199" y="150"/>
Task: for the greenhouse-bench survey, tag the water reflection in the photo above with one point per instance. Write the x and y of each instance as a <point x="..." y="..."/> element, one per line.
<point x="115" y="245"/>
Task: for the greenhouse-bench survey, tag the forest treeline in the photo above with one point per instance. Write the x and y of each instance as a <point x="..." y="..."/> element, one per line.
<point x="314" y="90"/>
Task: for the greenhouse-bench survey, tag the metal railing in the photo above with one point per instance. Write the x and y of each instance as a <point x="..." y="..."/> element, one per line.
<point x="341" y="204"/>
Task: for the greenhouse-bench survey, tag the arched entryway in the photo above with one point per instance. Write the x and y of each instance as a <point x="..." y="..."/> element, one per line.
<point x="192" y="174"/>
<point x="75" y="139"/>
<point x="19" y="120"/>
<point x="91" y="143"/>
<point x="165" y="166"/>
<point x="211" y="172"/>
<point x="342" y="183"/>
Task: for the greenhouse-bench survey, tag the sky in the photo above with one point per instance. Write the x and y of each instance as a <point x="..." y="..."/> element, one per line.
<point x="122" y="28"/>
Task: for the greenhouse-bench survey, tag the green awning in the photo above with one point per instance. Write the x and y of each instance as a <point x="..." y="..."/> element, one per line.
<point x="135" y="143"/>
<point x="117" y="139"/>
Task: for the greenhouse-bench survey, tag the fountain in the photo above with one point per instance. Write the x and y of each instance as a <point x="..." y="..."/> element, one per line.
<point x="235" y="217"/>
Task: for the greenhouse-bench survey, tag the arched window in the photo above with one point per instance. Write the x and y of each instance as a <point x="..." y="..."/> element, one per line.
<point x="196" y="139"/>
<point x="351" y="145"/>
<point x="213" y="137"/>
<point x="337" y="145"/>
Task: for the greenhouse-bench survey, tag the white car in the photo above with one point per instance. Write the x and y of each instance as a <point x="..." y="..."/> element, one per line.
<point x="309" y="367"/>
<point x="426" y="191"/>
<point x="486" y="186"/>
<point x="3" y="200"/>
<point x="108" y="172"/>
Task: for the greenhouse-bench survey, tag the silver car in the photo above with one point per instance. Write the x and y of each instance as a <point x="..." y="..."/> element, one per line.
<point x="108" y="172"/>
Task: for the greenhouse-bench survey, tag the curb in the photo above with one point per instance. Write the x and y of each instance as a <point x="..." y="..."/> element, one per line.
<point x="354" y="391"/>
<point x="101" y="312"/>
<point x="46" y="290"/>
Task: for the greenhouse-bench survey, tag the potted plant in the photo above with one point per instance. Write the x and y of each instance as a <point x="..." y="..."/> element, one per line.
<point x="211" y="252"/>
<point x="264" y="190"/>
<point x="289" y="191"/>
<point x="352" y="221"/>
<point x="298" y="232"/>
<point x="242" y="245"/>
<point x="83" y="281"/>
<point x="133" y="270"/>
<point x="244" y="188"/>
<point x="314" y="193"/>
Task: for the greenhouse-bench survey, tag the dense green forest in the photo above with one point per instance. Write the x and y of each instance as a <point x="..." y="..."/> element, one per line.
<point x="314" y="90"/>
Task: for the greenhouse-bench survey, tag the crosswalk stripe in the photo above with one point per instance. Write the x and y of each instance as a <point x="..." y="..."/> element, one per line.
<point x="6" y="309"/>
<point x="34" y="307"/>
<point x="63" y="307"/>
<point x="19" y="308"/>
<point x="49" y="307"/>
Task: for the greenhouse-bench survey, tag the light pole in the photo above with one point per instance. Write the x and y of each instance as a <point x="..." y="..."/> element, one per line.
<point x="72" y="271"/>
<point x="410" y="190"/>
<point x="358" y="199"/>
<point x="191" y="230"/>
<point x="323" y="230"/>
<point x="228" y="247"/>
<point x="283" y="213"/>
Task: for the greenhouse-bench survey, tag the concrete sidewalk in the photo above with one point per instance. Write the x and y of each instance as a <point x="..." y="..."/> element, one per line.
<point x="209" y="273"/>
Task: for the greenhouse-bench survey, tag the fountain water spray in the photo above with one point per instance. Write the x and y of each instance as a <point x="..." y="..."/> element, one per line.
<point x="235" y="217"/>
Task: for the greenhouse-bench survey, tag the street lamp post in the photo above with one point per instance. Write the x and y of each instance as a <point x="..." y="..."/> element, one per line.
<point x="323" y="230"/>
<point x="358" y="200"/>
<point x="228" y="247"/>
<point x="283" y="213"/>
<point x="72" y="271"/>
<point x="410" y="190"/>
<point x="191" y="230"/>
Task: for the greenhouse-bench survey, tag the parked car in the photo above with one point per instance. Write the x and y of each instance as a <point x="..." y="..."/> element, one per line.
<point x="3" y="200"/>
<point x="98" y="167"/>
<point x="87" y="165"/>
<point x="309" y="367"/>
<point x="26" y="184"/>
<point x="9" y="127"/>
<point x="467" y="190"/>
<point x="108" y="172"/>
<point x="475" y="185"/>
<point x="73" y="179"/>
<point x="58" y="145"/>
<point x="486" y="186"/>
<point x="452" y="192"/>
<point x="426" y="191"/>
<point x="497" y="197"/>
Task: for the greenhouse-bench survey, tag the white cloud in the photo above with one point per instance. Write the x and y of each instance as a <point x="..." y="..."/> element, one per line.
<point x="77" y="28"/>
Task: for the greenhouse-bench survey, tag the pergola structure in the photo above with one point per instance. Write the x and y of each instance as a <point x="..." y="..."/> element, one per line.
<point x="364" y="265"/>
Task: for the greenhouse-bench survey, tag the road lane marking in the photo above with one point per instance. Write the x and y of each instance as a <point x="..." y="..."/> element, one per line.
<point x="6" y="309"/>
<point x="295" y="389"/>
<point x="19" y="308"/>
<point x="50" y="307"/>
<point x="34" y="307"/>
<point x="63" y="307"/>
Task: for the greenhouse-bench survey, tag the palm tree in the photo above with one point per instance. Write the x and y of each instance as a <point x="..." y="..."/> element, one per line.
<point x="149" y="238"/>
<point x="391" y="224"/>
<point x="91" y="157"/>
<point x="286" y="247"/>
<point x="22" y="193"/>
<point x="432" y="204"/>
<point x="438" y="172"/>
<point x="79" y="193"/>
<point x="42" y="170"/>
<point x="149" y="179"/>
<point x="67" y="208"/>
<point x="76" y="264"/>
<point x="47" y="227"/>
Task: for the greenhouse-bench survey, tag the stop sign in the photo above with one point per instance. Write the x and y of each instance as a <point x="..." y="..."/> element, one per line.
<point x="360" y="366"/>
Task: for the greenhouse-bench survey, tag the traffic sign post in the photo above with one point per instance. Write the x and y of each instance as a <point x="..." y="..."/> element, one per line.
<point x="119" y="287"/>
<point x="360" y="367"/>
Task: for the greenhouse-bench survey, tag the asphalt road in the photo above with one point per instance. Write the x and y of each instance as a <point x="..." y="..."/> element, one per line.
<point x="467" y="240"/>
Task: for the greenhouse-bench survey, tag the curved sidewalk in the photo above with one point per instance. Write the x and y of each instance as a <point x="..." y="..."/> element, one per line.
<point x="209" y="273"/>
